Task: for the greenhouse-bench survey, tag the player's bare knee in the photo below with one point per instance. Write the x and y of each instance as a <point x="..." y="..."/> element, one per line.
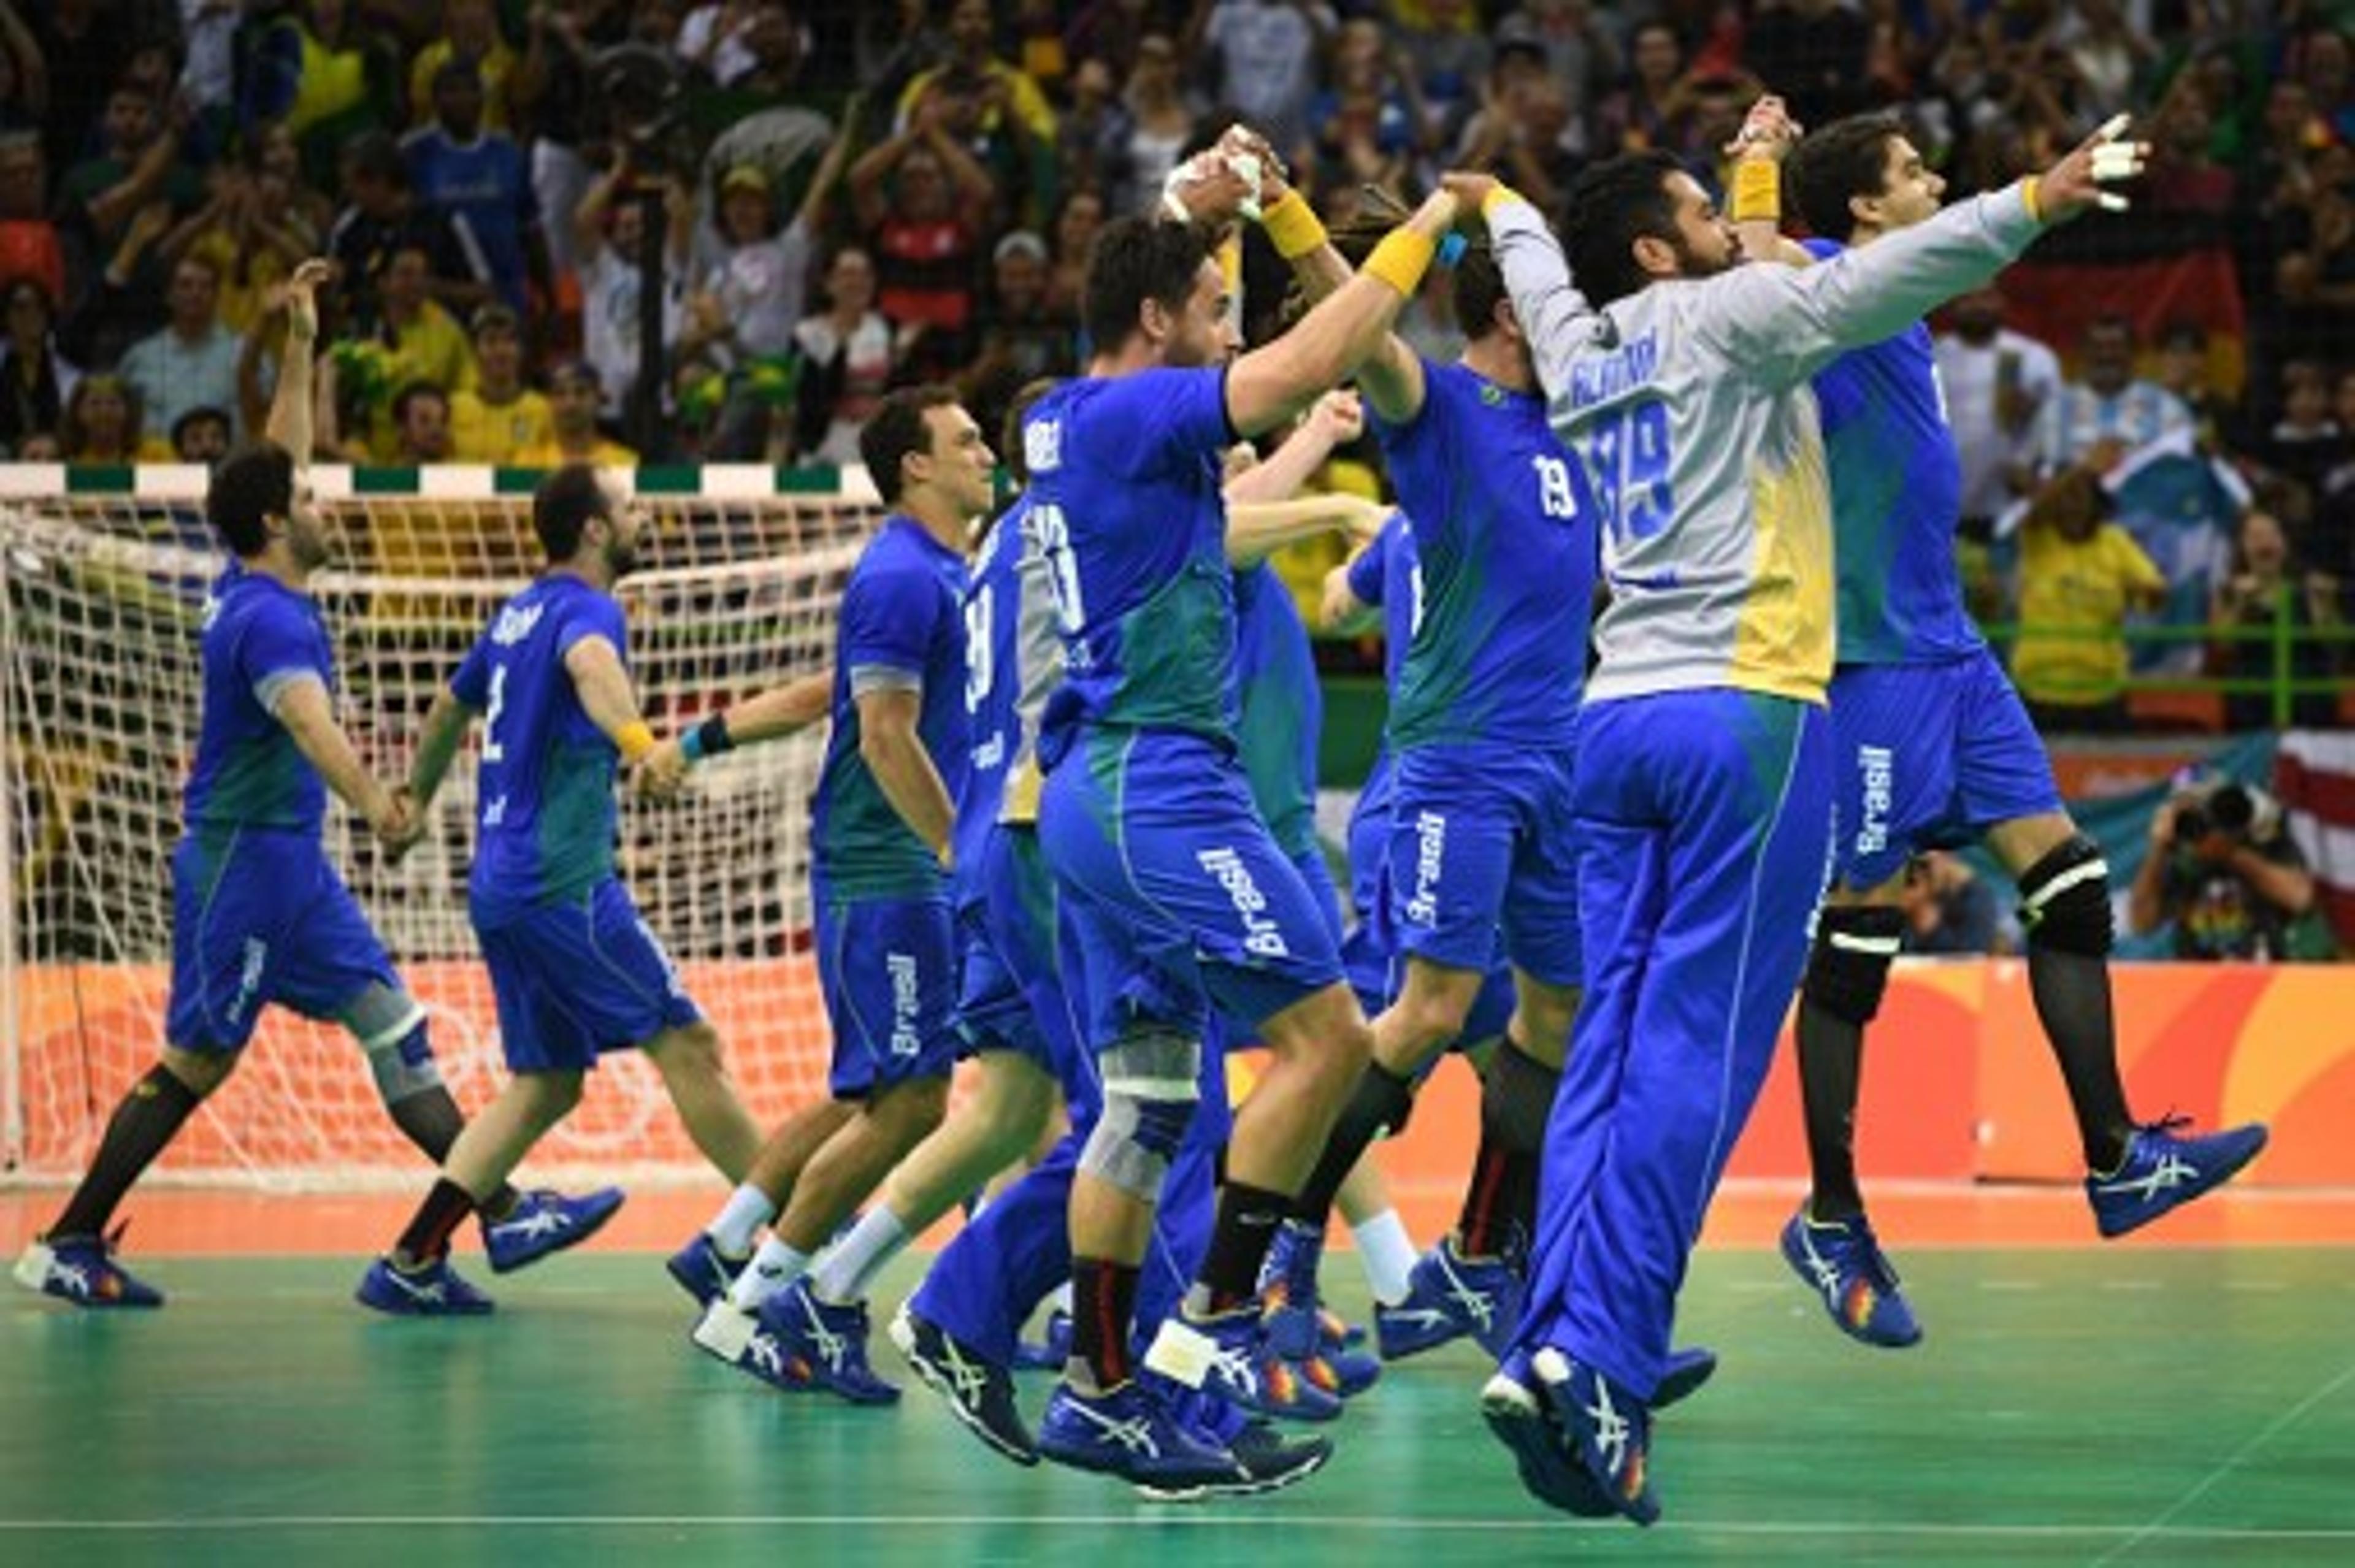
<point x="1325" y="1036"/>
<point x="200" y="1072"/>
<point x="549" y="1096"/>
<point x="691" y="1050"/>
<point x="1151" y="1093"/>
<point x="1847" y="970"/>
<point x="2064" y="901"/>
<point x="907" y="1112"/>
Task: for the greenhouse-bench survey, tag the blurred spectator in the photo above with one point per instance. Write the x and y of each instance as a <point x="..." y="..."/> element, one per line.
<point x="2078" y="575"/>
<point x="1653" y="107"/>
<point x="24" y="74"/>
<point x="609" y="234"/>
<point x="137" y="163"/>
<point x="2108" y="53"/>
<point x="2185" y="175"/>
<point x="2187" y="374"/>
<point x="28" y="240"/>
<point x="712" y="39"/>
<point x="424" y="341"/>
<point x="1580" y="55"/>
<point x="34" y="381"/>
<point x="573" y="398"/>
<point x="1948" y="910"/>
<point x="924" y="236"/>
<point x="993" y="111"/>
<point x="1368" y="127"/>
<point x="1091" y="134"/>
<point x="477" y="178"/>
<point x="1113" y="31"/>
<point x="1161" y="123"/>
<point x="421" y="422"/>
<point x="2107" y="404"/>
<point x="103" y="423"/>
<point x="756" y="273"/>
<point x="2225" y="873"/>
<point x="248" y="232"/>
<point x="555" y="89"/>
<point x="201" y="435"/>
<point x="1994" y="381"/>
<point x="192" y="363"/>
<point x="315" y="70"/>
<point x="470" y="32"/>
<point x="499" y="416"/>
<point x="2304" y="441"/>
<point x="1026" y="337"/>
<point x="1441" y="53"/>
<point x="848" y="353"/>
<point x="1524" y="131"/>
<point x="2320" y="59"/>
<point x="1262" y="58"/>
<point x="80" y="45"/>
<point x="1076" y="228"/>
<point x="384" y="215"/>
<point x="2266" y="593"/>
<point x="1813" y="52"/>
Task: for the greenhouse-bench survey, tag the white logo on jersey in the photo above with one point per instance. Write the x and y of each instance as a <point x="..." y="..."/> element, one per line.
<point x="1261" y="934"/>
<point x="513" y="624"/>
<point x="1880" y="770"/>
<point x="1430" y="859"/>
<point x="906" y="1040"/>
<point x="1043" y="445"/>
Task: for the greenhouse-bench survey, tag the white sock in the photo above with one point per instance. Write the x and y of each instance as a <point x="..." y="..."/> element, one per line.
<point x="1388" y="1254"/>
<point x="773" y="1267"/>
<point x="748" y="1209"/>
<point x="841" y="1276"/>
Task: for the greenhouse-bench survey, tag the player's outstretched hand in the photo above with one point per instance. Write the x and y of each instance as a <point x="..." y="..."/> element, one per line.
<point x="661" y="774"/>
<point x="1470" y="189"/>
<point x="1767" y="132"/>
<point x="1340" y="417"/>
<point x="1209" y="187"/>
<point x="302" y="298"/>
<point x="2083" y="178"/>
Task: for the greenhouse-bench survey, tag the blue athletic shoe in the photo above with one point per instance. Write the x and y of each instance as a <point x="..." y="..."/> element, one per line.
<point x="1481" y="1296"/>
<point x="1049" y="1354"/>
<point x="726" y="1332"/>
<point x="1421" y="1322"/>
<point x="1227" y="1357"/>
<point x="1299" y="1330"/>
<point x="830" y="1340"/>
<point x="703" y="1271"/>
<point x="436" y="1290"/>
<point x="1130" y="1433"/>
<point x="82" y="1270"/>
<point x="1683" y="1376"/>
<point x="1842" y="1263"/>
<point x="980" y="1391"/>
<point x="544" y="1222"/>
<point x="2162" y="1171"/>
<point x="1522" y="1413"/>
<point x="1610" y="1431"/>
<point x="1274" y="1461"/>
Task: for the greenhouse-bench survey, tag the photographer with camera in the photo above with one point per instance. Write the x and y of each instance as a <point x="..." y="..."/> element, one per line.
<point x="2224" y="869"/>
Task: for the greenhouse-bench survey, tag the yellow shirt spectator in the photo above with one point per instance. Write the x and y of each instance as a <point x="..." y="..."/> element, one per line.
<point x="2074" y="598"/>
<point x="495" y="433"/>
<point x="495" y="66"/>
<point x="547" y="454"/>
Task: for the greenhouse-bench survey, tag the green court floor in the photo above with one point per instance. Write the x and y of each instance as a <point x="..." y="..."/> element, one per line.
<point x="2128" y="1406"/>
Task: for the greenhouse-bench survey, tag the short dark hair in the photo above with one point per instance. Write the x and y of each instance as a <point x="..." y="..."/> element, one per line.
<point x="896" y="429"/>
<point x="1136" y="259"/>
<point x="1009" y="440"/>
<point x="409" y="394"/>
<point x="1845" y="159"/>
<point x="1609" y="207"/>
<point x="1479" y="288"/>
<point x="566" y="501"/>
<point x="252" y="484"/>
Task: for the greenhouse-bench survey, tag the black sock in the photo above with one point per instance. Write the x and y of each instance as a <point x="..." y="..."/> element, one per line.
<point x="143" y="1123"/>
<point x="431" y="1119"/>
<point x="1379" y="1102"/>
<point x="2073" y="1000"/>
<point x="1831" y="1071"/>
<point x="427" y="1240"/>
<point x="1501" y="1201"/>
<point x="1247" y="1219"/>
<point x="1104" y="1309"/>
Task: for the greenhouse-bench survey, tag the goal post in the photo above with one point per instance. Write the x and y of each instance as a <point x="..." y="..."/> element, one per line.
<point x="104" y="580"/>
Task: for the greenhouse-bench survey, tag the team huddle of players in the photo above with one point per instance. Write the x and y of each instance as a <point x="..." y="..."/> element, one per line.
<point x="1064" y="825"/>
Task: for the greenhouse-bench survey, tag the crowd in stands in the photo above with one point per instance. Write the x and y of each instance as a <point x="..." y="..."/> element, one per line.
<point x="834" y="197"/>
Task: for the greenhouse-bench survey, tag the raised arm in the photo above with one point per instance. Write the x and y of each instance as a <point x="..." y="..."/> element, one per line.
<point x="780" y="711"/>
<point x="1555" y="317"/>
<point x="289" y="422"/>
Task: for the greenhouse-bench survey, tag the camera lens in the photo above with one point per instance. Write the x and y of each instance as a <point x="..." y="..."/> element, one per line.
<point x="2232" y="807"/>
<point x="2192" y="823"/>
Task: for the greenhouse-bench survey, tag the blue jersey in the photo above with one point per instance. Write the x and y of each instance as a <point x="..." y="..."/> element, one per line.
<point x="900" y="627"/>
<point x="1504" y="531"/>
<point x="993" y="685"/>
<point x="258" y="636"/>
<point x="1282" y="706"/>
<point x="1387" y="575"/>
<point x="1897" y="493"/>
<point x="544" y="817"/>
<point x="486" y="189"/>
<point x="1124" y="501"/>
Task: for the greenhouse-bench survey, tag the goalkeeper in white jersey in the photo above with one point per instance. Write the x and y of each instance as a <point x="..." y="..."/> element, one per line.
<point x="1704" y="786"/>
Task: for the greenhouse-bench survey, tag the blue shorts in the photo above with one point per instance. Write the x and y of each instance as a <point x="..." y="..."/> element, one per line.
<point x="1369" y="953"/>
<point x="579" y="976"/>
<point x="1010" y="996"/>
<point x="1483" y="841"/>
<point x="887" y="968"/>
<point x="261" y="917"/>
<point x="1189" y="902"/>
<point x="1929" y="756"/>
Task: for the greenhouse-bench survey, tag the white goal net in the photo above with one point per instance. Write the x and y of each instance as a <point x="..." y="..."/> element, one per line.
<point x="98" y="712"/>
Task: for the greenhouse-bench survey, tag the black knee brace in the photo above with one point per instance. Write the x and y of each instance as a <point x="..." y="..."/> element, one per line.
<point x="2064" y="901"/>
<point x="1848" y="972"/>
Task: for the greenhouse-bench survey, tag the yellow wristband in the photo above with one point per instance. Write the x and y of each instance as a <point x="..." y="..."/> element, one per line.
<point x="635" y="739"/>
<point x="1496" y="197"/>
<point x="1757" y="191"/>
<point x="2031" y="192"/>
<point x="1292" y="227"/>
<point x="1402" y="259"/>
